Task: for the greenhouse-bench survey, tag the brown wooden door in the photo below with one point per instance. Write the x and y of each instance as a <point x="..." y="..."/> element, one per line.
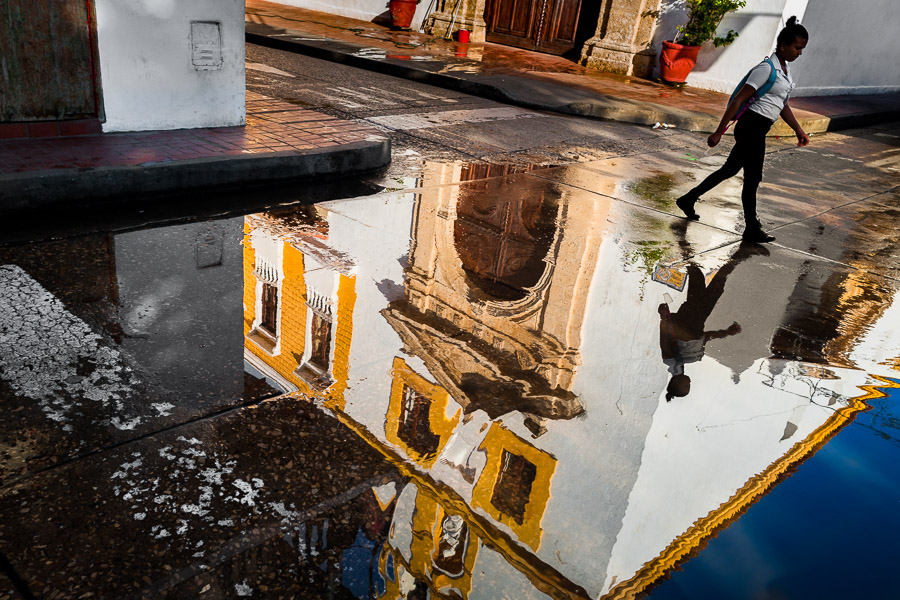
<point x="547" y="26"/>
<point x="46" y="60"/>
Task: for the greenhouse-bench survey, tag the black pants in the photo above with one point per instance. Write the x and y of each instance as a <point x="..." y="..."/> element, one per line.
<point x="748" y="153"/>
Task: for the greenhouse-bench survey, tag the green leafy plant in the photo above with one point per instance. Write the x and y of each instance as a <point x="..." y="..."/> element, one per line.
<point x="704" y="17"/>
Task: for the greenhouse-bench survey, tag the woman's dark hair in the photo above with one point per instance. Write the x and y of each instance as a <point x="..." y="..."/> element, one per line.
<point x="792" y="30"/>
<point x="679" y="387"/>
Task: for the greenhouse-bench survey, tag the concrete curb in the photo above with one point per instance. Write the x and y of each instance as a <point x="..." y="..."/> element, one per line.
<point x="852" y="121"/>
<point x="37" y="189"/>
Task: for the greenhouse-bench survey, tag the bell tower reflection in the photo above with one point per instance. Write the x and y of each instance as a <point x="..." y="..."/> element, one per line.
<point x="496" y="291"/>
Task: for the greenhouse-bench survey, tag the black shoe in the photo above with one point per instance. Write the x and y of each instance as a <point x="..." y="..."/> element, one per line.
<point x="757" y="236"/>
<point x="686" y="204"/>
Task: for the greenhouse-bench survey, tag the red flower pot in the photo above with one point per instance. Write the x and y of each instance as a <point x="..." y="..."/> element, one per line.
<point x="402" y="12"/>
<point x="676" y="61"/>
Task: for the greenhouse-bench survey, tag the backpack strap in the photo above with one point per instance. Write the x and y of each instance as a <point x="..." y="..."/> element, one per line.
<point x="773" y="75"/>
<point x="763" y="89"/>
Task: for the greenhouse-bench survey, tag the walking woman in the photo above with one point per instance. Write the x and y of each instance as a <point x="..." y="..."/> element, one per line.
<point x="750" y="132"/>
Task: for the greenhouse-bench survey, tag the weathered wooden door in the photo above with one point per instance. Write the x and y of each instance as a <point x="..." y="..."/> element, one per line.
<point x="543" y="25"/>
<point x="46" y="60"/>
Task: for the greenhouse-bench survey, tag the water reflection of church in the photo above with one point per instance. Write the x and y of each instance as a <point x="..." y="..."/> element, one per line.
<point x="528" y="466"/>
<point x="495" y="297"/>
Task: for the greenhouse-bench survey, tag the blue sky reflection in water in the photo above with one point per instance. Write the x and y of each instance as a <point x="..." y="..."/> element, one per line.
<point x="828" y="531"/>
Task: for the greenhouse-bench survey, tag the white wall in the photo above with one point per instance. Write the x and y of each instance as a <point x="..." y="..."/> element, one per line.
<point x="148" y="80"/>
<point x="720" y="69"/>
<point x="364" y="10"/>
<point x="853" y="47"/>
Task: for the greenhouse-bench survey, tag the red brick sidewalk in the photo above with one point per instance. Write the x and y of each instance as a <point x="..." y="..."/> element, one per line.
<point x="280" y="142"/>
<point x="272" y="126"/>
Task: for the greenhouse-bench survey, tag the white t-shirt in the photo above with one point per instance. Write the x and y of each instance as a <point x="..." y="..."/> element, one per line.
<point x="772" y="102"/>
<point x="691" y="350"/>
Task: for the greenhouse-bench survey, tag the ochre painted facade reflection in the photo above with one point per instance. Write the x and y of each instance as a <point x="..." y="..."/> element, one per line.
<point x="299" y="327"/>
<point x="441" y="550"/>
<point x="523" y="465"/>
<point x="514" y="486"/>
<point x="416" y="420"/>
<point x="508" y="496"/>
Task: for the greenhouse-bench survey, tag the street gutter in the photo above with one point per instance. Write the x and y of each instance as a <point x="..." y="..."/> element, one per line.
<point x="527" y="92"/>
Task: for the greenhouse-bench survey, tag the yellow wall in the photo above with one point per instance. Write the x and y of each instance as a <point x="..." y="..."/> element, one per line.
<point x="440" y="424"/>
<point x="343" y="336"/>
<point x="426" y="535"/>
<point x="292" y="323"/>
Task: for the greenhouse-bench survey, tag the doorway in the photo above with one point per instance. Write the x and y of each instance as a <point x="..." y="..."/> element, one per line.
<point x="49" y="56"/>
<point x="550" y="26"/>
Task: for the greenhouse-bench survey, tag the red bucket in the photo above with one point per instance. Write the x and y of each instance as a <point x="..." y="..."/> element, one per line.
<point x="463" y="36"/>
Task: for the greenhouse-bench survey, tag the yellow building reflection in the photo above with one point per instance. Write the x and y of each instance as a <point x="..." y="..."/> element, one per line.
<point x="514" y="486"/>
<point x="297" y="325"/>
<point x="441" y="553"/>
<point x="416" y="421"/>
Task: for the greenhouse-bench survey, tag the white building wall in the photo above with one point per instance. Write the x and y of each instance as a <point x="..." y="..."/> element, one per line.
<point x="147" y="74"/>
<point x="165" y="278"/>
<point x="364" y="10"/>
<point x="852" y="49"/>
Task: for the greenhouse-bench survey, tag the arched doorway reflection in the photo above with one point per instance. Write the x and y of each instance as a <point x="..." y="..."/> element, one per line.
<point x="503" y="243"/>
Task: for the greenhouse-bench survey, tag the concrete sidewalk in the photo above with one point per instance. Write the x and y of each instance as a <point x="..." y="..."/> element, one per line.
<point x="279" y="142"/>
<point x="530" y="79"/>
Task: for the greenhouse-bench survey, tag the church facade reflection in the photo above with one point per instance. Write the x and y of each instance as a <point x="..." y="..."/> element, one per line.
<point x="537" y="456"/>
<point x="495" y="296"/>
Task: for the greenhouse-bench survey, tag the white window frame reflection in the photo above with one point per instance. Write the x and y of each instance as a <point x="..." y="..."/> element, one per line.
<point x="269" y="271"/>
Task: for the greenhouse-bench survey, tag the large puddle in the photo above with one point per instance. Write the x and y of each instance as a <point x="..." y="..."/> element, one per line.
<point x="500" y="384"/>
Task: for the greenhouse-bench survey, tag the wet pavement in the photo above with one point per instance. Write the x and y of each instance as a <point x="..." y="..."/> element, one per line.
<point x="484" y="381"/>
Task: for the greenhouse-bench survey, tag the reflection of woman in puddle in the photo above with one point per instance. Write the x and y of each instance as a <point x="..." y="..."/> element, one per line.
<point x="682" y="334"/>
